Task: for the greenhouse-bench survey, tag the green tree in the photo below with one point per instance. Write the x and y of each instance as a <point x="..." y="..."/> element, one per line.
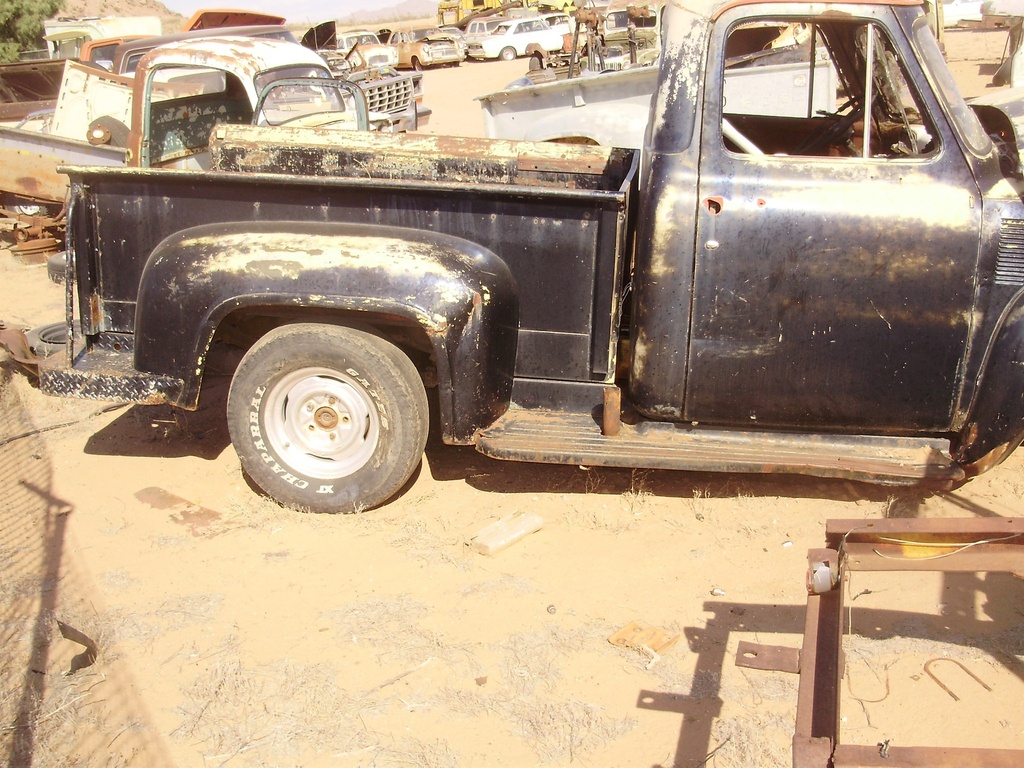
<point x="21" y="25"/>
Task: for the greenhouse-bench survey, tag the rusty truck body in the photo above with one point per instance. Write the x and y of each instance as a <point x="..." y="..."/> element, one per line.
<point x="161" y="116"/>
<point x="760" y="288"/>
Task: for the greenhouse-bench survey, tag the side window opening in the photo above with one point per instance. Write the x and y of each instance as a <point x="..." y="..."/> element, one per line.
<point x="821" y="89"/>
<point x="185" y="105"/>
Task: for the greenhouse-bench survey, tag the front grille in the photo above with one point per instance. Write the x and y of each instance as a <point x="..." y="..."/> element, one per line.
<point x="389" y="96"/>
<point x="379" y="60"/>
<point x="1010" y="261"/>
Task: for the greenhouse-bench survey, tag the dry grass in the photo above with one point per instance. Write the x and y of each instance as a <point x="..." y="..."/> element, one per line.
<point x="564" y="729"/>
<point x="57" y="722"/>
<point x="418" y="539"/>
<point x="57" y="719"/>
<point x="389" y="627"/>
<point x="556" y="727"/>
<point x="746" y="741"/>
<point x="516" y="584"/>
<point x="276" y="710"/>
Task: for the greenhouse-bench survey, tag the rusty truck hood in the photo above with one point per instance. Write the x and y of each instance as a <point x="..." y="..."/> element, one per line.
<point x="218" y="19"/>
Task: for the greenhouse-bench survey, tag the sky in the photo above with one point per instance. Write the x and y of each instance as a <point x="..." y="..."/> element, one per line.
<point x="296" y="11"/>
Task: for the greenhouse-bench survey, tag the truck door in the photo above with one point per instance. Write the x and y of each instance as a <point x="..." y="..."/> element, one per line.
<point x="837" y="233"/>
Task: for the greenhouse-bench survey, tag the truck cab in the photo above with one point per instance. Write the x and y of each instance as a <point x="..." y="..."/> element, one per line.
<point x="836" y="266"/>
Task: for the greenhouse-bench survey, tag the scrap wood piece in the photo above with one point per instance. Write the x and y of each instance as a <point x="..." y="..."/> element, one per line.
<point x="641" y="637"/>
<point x="502" y="533"/>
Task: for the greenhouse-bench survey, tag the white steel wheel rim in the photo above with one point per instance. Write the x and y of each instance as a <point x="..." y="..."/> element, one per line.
<point x="321" y="422"/>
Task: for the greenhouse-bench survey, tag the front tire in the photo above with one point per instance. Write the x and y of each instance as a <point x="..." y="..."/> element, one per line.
<point x="507" y="54"/>
<point x="327" y="418"/>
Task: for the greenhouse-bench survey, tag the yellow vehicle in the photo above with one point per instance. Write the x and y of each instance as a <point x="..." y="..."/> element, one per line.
<point x="454" y="12"/>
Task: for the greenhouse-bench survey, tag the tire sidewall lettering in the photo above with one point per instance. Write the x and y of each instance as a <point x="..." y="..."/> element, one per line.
<point x="256" y="435"/>
<point x="366" y="385"/>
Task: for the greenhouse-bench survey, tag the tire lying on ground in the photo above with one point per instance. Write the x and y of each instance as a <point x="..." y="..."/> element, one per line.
<point x="56" y="267"/>
<point x="327" y="418"/>
<point x="48" y="339"/>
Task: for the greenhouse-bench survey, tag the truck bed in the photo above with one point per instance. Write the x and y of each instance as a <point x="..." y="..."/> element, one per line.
<point x="29" y="161"/>
<point x="610" y="108"/>
<point x="525" y="202"/>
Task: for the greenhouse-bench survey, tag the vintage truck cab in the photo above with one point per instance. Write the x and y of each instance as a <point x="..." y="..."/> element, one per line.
<point x="840" y="267"/>
<point x="825" y="278"/>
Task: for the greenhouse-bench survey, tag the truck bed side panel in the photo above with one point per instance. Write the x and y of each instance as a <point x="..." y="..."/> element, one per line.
<point x="565" y="331"/>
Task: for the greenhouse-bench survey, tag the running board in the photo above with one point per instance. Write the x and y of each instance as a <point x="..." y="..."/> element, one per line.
<point x="553" y="437"/>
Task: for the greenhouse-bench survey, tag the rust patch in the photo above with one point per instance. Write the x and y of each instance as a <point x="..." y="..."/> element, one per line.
<point x="27" y="184"/>
<point x="199" y="520"/>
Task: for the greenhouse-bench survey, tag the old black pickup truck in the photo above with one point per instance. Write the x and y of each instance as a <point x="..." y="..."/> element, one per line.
<point x="826" y="278"/>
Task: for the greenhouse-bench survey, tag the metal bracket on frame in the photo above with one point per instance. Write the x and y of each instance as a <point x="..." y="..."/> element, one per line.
<point x="961" y="546"/>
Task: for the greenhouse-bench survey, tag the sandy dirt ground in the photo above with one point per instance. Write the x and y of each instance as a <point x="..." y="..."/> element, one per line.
<point x="223" y="630"/>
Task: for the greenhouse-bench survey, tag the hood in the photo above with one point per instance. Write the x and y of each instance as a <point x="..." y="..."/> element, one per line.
<point x="1006" y="107"/>
<point x="1002" y="115"/>
<point x="323" y="35"/>
<point x="217" y="19"/>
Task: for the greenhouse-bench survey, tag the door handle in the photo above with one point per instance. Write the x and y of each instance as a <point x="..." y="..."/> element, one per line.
<point x="713" y="205"/>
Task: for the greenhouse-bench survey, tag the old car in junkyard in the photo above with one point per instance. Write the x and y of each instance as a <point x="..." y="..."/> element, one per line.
<point x="516" y="37"/>
<point x="458" y="36"/>
<point x="422" y="48"/>
<point x="351" y="50"/>
<point x="478" y="29"/>
<point x="360" y="57"/>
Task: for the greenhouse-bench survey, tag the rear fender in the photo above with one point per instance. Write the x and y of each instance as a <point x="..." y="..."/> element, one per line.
<point x="995" y="426"/>
<point x="461" y="295"/>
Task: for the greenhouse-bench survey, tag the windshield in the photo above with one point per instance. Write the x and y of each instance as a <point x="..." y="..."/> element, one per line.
<point x="964" y="117"/>
<point x="297" y="102"/>
<point x="263" y="79"/>
<point x="359" y="40"/>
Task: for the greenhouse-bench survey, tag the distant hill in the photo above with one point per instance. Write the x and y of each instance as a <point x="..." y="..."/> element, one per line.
<point x="410" y="9"/>
<point x="172" y="21"/>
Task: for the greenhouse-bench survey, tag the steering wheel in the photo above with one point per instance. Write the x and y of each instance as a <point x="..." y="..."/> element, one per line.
<point x="824" y="137"/>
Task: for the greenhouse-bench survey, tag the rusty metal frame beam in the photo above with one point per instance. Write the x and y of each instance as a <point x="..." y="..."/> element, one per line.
<point x="944" y="546"/>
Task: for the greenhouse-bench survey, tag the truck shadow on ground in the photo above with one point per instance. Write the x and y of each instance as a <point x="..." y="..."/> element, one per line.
<point x="162" y="432"/>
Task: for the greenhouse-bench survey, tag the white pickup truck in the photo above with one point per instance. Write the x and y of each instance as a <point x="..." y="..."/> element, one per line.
<point x="612" y="108"/>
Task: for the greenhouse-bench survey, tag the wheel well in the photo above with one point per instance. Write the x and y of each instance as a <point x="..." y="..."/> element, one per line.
<point x="243" y="328"/>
